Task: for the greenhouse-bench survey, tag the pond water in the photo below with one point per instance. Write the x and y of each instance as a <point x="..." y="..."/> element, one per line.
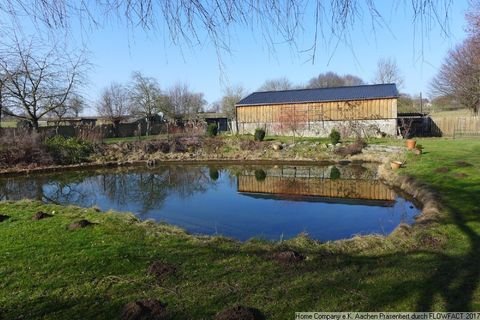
<point x="271" y="202"/>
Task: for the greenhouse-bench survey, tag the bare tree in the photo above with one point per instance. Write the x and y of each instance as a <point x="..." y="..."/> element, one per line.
<point x="146" y="98"/>
<point x="37" y="79"/>
<point x="230" y="97"/>
<point x="215" y="106"/>
<point x="276" y="85"/>
<point x="2" y="80"/>
<point x="388" y="72"/>
<point x="351" y="80"/>
<point x="75" y="105"/>
<point x="185" y="102"/>
<point x="114" y="104"/>
<point x="70" y="108"/>
<point x="459" y="75"/>
<point x="405" y="103"/>
<point x="332" y="79"/>
<point x="191" y="21"/>
<point x="292" y="121"/>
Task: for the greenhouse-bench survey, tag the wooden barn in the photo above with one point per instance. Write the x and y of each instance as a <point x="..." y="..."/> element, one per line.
<point x="365" y="110"/>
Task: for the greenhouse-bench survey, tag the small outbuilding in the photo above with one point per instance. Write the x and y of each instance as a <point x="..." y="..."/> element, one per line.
<point x="354" y="110"/>
<point x="220" y="119"/>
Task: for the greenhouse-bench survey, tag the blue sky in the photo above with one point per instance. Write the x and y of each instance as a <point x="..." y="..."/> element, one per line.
<point x="116" y="51"/>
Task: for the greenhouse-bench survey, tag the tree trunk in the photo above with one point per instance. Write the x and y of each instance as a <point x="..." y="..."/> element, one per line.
<point x="34" y="123"/>
<point x="115" y="129"/>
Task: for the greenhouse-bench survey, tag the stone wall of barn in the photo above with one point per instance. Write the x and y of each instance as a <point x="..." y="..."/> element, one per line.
<point x="349" y="128"/>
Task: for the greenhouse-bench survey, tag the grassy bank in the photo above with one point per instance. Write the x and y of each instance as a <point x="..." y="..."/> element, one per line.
<point x="49" y="272"/>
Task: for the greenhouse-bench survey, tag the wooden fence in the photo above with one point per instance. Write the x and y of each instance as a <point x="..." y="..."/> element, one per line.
<point x="456" y="126"/>
<point x="104" y="131"/>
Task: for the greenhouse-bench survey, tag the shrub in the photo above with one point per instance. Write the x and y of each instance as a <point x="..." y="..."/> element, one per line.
<point x="186" y="144"/>
<point x="334" y="173"/>
<point x="260" y="175"/>
<point x="212" y="145"/>
<point x="213" y="173"/>
<point x="352" y="149"/>
<point x="212" y="130"/>
<point x="91" y="134"/>
<point x="21" y="147"/>
<point x="334" y="137"/>
<point x="259" y="134"/>
<point x="68" y="150"/>
<point x="154" y="146"/>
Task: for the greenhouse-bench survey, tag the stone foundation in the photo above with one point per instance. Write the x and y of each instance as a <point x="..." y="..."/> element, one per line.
<point x="323" y="128"/>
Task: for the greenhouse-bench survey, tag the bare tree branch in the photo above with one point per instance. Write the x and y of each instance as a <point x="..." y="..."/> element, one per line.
<point x="190" y="21"/>
<point x="331" y="79"/>
<point x="459" y="75"/>
<point x="388" y="72"/>
<point x="38" y="79"/>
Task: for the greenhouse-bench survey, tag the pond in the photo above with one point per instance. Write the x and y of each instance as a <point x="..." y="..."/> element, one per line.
<point x="266" y="201"/>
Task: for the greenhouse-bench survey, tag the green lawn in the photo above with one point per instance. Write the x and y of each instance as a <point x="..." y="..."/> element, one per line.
<point x="131" y="139"/>
<point x="49" y="272"/>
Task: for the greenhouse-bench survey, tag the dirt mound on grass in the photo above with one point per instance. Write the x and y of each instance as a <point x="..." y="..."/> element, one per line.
<point x="144" y="310"/>
<point x="41" y="215"/>
<point x="288" y="257"/>
<point x="239" y="313"/>
<point x="429" y="241"/>
<point x="442" y="170"/>
<point x="3" y="217"/>
<point x="460" y="175"/>
<point x="463" y="164"/>
<point x="79" y="224"/>
<point x="161" y="270"/>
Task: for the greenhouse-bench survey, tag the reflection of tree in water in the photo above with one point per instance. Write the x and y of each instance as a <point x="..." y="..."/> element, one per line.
<point x="151" y="188"/>
<point x="14" y="189"/>
<point x="56" y="189"/>
<point x="147" y="188"/>
<point x="213" y="173"/>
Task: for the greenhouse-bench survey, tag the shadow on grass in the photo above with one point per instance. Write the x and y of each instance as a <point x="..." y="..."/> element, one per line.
<point x="453" y="278"/>
<point x="457" y="277"/>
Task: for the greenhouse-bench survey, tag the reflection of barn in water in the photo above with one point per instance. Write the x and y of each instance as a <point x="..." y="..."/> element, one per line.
<point x="355" y="185"/>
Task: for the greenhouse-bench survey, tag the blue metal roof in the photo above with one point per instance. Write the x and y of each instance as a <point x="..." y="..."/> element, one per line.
<point x="364" y="92"/>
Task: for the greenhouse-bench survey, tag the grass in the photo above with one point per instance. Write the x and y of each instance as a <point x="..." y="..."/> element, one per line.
<point x="49" y="272"/>
<point x="131" y="139"/>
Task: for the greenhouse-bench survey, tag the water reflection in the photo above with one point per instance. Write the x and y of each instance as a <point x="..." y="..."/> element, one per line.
<point x="121" y="187"/>
<point x="353" y="184"/>
<point x="330" y="202"/>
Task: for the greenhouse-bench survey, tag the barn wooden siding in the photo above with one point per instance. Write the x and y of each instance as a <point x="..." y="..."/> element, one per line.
<point x="320" y="111"/>
<point x="341" y="188"/>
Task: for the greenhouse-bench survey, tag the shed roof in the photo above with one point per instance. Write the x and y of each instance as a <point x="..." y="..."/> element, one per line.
<point x="364" y="92"/>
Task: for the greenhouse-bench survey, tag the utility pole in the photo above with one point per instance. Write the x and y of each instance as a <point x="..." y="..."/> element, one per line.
<point x="421" y="104"/>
